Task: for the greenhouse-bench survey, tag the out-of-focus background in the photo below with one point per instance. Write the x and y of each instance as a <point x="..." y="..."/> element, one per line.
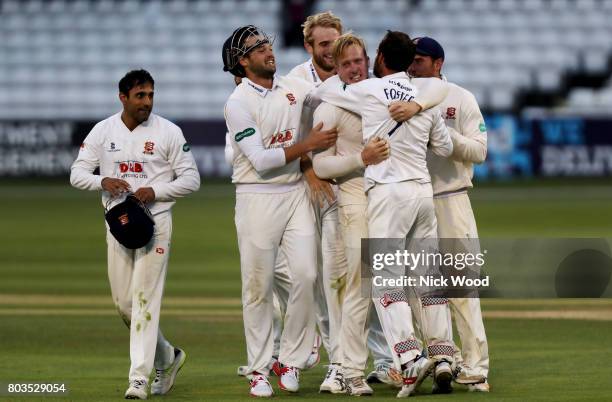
<point x="540" y="70"/>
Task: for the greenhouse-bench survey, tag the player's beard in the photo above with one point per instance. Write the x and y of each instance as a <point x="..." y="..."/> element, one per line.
<point x="323" y="64"/>
<point x="265" y="71"/>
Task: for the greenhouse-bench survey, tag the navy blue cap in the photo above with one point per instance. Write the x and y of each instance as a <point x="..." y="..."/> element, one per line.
<point x="131" y="223"/>
<point x="426" y="46"/>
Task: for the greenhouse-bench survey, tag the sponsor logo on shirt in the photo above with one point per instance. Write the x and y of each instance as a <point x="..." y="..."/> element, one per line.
<point x="148" y="148"/>
<point x="243" y="134"/>
<point x="113" y="148"/>
<point x="159" y="250"/>
<point x="186" y="147"/>
<point x="291" y="98"/>
<point x="258" y="89"/>
<point x="450" y="113"/>
<point x="133" y="169"/>
<point x="482" y="127"/>
<point x="282" y="139"/>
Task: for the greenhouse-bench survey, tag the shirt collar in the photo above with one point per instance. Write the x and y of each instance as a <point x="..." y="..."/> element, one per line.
<point x="258" y="89"/>
<point x="313" y="71"/>
<point x="400" y="74"/>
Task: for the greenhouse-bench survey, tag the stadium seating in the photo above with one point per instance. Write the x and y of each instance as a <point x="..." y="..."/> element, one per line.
<point x="63" y="58"/>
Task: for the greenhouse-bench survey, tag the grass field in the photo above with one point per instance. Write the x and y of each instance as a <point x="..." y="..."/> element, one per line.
<point x="58" y="324"/>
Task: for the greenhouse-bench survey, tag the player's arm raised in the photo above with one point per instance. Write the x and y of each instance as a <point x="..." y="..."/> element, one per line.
<point x="431" y="91"/>
<point x="329" y="165"/>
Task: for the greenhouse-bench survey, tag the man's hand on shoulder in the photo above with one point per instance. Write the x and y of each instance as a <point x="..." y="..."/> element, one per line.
<point x="403" y="111"/>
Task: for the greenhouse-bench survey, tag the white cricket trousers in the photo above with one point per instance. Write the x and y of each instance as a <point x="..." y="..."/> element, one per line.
<point x="137" y="280"/>
<point x="357" y="298"/>
<point x="264" y="223"/>
<point x="456" y="220"/>
<point x="399" y="211"/>
<point x="331" y="279"/>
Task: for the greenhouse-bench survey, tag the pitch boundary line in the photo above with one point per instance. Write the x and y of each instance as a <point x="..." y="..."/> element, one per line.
<point x="203" y="315"/>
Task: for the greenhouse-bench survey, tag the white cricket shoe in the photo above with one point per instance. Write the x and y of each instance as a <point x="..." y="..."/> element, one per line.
<point x="315" y="356"/>
<point x="289" y="379"/>
<point x="385" y="374"/>
<point x="443" y="378"/>
<point x="466" y="375"/>
<point x="164" y="379"/>
<point x="357" y="386"/>
<point x="481" y="387"/>
<point x="334" y="380"/>
<point x="414" y="375"/>
<point x="137" y="390"/>
<point x="260" y="386"/>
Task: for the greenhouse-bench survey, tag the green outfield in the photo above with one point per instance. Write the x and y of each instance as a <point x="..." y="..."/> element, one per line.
<point x="58" y="324"/>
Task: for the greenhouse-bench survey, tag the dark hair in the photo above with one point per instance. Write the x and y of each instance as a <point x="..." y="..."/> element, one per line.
<point x="398" y="50"/>
<point x="133" y="79"/>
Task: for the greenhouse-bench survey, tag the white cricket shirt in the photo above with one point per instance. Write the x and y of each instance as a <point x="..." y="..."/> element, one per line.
<point x="155" y="154"/>
<point x="261" y="122"/>
<point x="409" y="140"/>
<point x="307" y="72"/>
<point x="343" y="160"/>
<point x="469" y="134"/>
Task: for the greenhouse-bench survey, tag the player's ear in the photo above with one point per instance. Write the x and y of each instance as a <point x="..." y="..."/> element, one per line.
<point x="308" y="48"/>
<point x="123" y="97"/>
<point x="243" y="62"/>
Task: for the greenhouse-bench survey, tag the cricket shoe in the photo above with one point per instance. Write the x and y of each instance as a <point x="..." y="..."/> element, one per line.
<point x="314" y="357"/>
<point x="164" y="379"/>
<point x="275" y="367"/>
<point x="137" y="390"/>
<point x="385" y="374"/>
<point x="481" y="387"/>
<point x="414" y="374"/>
<point x="260" y="386"/>
<point x="289" y="379"/>
<point x="334" y="380"/>
<point x="443" y="378"/>
<point x="466" y="375"/>
<point x="357" y="386"/>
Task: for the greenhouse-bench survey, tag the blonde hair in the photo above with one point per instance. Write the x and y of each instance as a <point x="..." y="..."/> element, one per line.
<point x="326" y="20"/>
<point x="343" y="42"/>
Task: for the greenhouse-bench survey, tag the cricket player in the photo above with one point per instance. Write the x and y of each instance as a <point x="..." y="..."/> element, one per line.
<point x="400" y="198"/>
<point x="282" y="287"/>
<point x="140" y="152"/>
<point x="345" y="162"/>
<point x="451" y="179"/>
<point x="320" y="31"/>
<point x="272" y="208"/>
